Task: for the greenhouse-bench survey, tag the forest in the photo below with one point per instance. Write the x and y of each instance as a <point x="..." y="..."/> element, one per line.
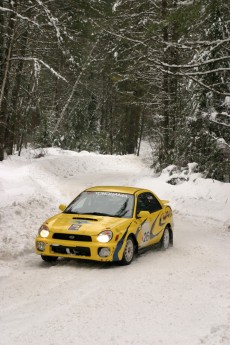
<point x="104" y="75"/>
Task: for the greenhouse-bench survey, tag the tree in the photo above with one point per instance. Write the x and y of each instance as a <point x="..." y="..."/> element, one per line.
<point x="103" y="75"/>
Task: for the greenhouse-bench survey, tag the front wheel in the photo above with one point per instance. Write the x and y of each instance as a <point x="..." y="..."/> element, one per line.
<point x="165" y="240"/>
<point x="49" y="258"/>
<point x="129" y="252"/>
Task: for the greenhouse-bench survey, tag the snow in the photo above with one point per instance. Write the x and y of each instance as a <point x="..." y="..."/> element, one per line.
<point x="176" y="297"/>
<point x="37" y="62"/>
<point x="227" y="102"/>
<point x="5" y="9"/>
<point x="116" y="4"/>
<point x="52" y="21"/>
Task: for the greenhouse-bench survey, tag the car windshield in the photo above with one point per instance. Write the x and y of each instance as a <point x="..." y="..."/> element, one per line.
<point x="103" y="204"/>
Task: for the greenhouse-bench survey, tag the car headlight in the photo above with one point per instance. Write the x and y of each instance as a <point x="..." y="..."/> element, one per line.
<point x="44" y="231"/>
<point x="105" y="236"/>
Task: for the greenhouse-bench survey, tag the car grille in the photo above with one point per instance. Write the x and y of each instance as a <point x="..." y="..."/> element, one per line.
<point x="81" y="251"/>
<point x="72" y="237"/>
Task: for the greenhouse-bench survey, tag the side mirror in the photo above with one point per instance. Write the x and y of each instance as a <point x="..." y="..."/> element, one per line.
<point x="143" y="214"/>
<point x="62" y="207"/>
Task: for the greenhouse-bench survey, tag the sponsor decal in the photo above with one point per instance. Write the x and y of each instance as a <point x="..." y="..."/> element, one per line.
<point x="166" y="215"/>
<point x="77" y="224"/>
<point x="121" y="195"/>
<point x="74" y="227"/>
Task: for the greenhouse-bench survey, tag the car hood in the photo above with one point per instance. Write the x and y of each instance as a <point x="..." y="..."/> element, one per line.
<point x="85" y="224"/>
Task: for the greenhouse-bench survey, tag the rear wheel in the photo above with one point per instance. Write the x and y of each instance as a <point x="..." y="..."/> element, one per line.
<point x="165" y="240"/>
<point x="49" y="258"/>
<point x="129" y="252"/>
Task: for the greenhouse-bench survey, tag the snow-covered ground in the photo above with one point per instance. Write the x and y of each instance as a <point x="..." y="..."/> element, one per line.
<point x="177" y="297"/>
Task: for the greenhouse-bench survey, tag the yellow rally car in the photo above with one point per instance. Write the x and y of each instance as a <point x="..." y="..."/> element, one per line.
<point x="107" y="224"/>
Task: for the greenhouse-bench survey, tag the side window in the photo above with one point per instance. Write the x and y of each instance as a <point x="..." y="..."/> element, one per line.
<point x="153" y="203"/>
<point x="142" y="203"/>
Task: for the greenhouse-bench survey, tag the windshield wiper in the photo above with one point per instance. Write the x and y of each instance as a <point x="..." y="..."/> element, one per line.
<point x="123" y="210"/>
<point x="121" y="215"/>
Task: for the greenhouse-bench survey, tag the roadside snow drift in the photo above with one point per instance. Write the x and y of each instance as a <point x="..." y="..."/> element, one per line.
<point x="177" y="297"/>
<point x="32" y="188"/>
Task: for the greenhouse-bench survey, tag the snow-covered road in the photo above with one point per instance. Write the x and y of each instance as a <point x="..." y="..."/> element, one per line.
<point x="177" y="297"/>
<point x="181" y="296"/>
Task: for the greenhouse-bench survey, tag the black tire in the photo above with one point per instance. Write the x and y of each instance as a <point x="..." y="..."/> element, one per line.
<point x="165" y="240"/>
<point x="129" y="251"/>
<point x="49" y="258"/>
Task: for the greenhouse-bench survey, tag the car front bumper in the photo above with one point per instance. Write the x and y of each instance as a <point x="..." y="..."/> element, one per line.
<point x="80" y="250"/>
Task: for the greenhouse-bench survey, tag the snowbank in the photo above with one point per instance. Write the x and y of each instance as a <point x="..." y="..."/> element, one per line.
<point x="32" y="188"/>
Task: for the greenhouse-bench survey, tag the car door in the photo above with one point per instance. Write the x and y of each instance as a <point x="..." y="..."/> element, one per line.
<point x="148" y="228"/>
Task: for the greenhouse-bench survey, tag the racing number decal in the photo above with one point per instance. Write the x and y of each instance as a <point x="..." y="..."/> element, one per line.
<point x="145" y="233"/>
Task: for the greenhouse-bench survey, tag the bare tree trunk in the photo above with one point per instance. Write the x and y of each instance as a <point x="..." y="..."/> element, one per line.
<point x="5" y="69"/>
<point x="142" y="120"/>
<point x="174" y="84"/>
<point x="165" y="90"/>
<point x="14" y="114"/>
<point x="2" y="59"/>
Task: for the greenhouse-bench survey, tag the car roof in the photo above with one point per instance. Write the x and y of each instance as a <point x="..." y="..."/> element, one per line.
<point x="115" y="189"/>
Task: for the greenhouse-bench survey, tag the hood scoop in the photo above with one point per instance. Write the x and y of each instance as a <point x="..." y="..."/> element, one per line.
<point x="85" y="218"/>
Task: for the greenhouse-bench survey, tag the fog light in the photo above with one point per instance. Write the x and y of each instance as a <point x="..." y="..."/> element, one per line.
<point x="41" y="246"/>
<point x="104" y="252"/>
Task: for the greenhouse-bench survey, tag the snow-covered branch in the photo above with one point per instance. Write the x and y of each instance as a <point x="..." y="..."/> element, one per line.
<point x="220" y="123"/>
<point x="190" y="76"/>
<point x="5" y="9"/>
<point x="87" y="63"/>
<point x="209" y="88"/>
<point x="221" y="69"/>
<point x="194" y="65"/>
<point x="37" y="62"/>
<point x="124" y="37"/>
<point x="208" y="43"/>
<point x="53" y="21"/>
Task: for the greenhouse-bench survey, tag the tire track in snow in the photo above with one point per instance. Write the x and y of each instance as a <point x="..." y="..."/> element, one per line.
<point x="180" y="296"/>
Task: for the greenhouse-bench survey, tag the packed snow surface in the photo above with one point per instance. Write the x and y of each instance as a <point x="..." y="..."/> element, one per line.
<point x="177" y="297"/>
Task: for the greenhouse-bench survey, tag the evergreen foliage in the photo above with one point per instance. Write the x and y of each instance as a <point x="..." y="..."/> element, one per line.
<point x="103" y="75"/>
